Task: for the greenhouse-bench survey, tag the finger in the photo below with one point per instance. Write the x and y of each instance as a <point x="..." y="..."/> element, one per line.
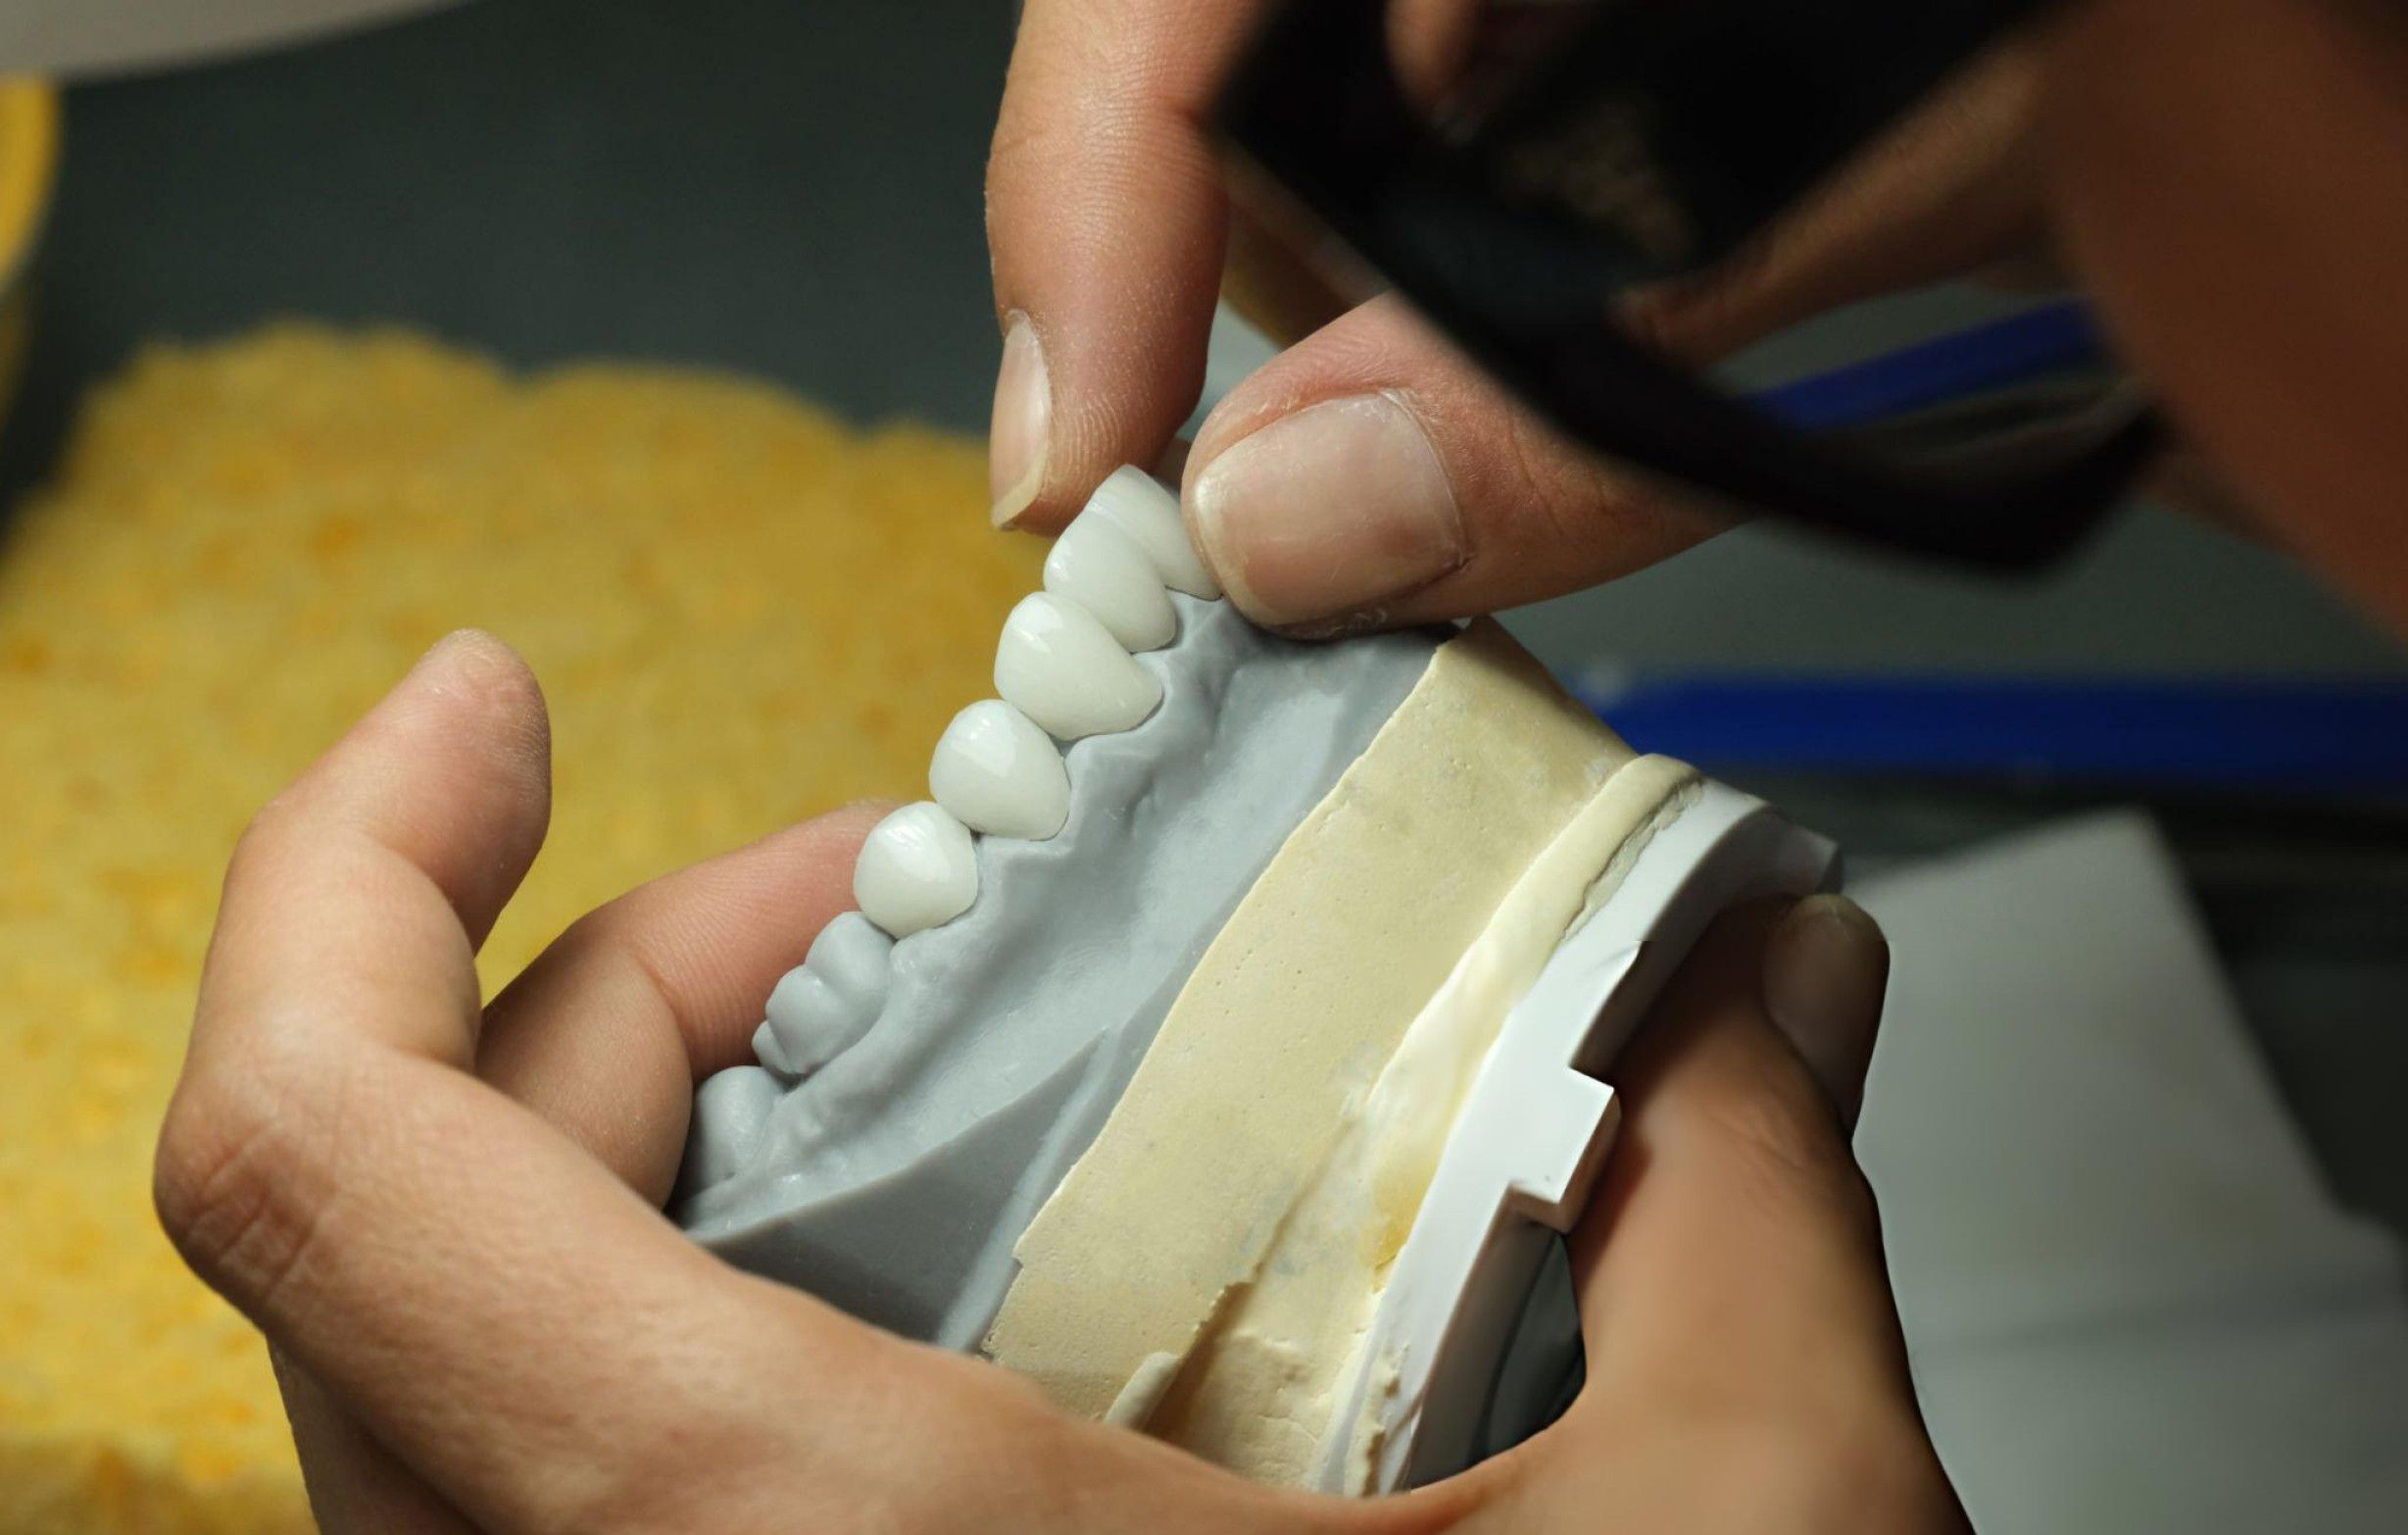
<point x="355" y="1484"/>
<point x="1370" y="477"/>
<point x="446" y="783"/>
<point x="2236" y="261"/>
<point x="1826" y="972"/>
<point x="1954" y="187"/>
<point x="1105" y="219"/>
<point x="604" y="1036"/>
<point x="1730" y="1273"/>
<point x="1733" y="1221"/>
<point x="407" y="1235"/>
<point x="607" y="1033"/>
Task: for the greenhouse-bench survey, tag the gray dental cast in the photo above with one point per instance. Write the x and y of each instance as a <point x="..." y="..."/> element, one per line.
<point x="945" y="1054"/>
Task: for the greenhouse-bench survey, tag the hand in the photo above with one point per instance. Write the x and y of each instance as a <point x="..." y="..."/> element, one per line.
<point x="444" y="1218"/>
<point x="1369" y="476"/>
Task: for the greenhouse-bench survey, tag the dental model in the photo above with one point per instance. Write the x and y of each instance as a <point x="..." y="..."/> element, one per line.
<point x="1218" y="1047"/>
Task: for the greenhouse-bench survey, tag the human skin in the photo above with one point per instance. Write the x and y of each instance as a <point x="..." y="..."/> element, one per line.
<point x="445" y="1217"/>
<point x="2239" y="206"/>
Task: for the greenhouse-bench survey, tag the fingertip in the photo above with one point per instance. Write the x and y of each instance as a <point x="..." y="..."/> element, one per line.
<point x="1106" y="224"/>
<point x="1020" y="428"/>
<point x="1371" y="477"/>
<point x="1826" y="973"/>
<point x="451" y="769"/>
<point x="485" y="677"/>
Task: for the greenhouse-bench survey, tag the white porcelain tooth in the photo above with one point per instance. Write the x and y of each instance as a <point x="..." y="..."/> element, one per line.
<point x="1099" y="567"/>
<point x="1058" y="665"/>
<point x="917" y="869"/>
<point x="731" y="1115"/>
<point x="825" y="1003"/>
<point x="1136" y="502"/>
<point x="1000" y="774"/>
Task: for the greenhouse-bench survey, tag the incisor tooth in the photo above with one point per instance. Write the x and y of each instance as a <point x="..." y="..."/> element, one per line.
<point x="1058" y="665"/>
<point x="917" y="870"/>
<point x="1136" y="502"/>
<point x="824" y="1004"/>
<point x="1097" y="566"/>
<point x="1000" y="774"/>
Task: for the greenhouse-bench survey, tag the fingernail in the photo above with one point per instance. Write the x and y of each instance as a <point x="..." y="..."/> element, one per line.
<point x="1825" y="967"/>
<point x="1016" y="434"/>
<point x="1336" y="510"/>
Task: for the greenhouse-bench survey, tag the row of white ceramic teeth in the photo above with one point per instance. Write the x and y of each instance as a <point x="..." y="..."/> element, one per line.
<point x="1065" y="669"/>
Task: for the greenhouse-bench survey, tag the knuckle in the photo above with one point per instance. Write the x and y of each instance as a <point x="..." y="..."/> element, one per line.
<point x="242" y="1184"/>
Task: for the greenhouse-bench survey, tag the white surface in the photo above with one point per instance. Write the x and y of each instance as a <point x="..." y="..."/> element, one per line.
<point x="1534" y="1129"/>
<point x="1000" y="773"/>
<point x="112" y="36"/>
<point x="1062" y="668"/>
<point x="1136" y="504"/>
<point x="2131" y="1303"/>
<point x="1095" y="565"/>
<point x="917" y="870"/>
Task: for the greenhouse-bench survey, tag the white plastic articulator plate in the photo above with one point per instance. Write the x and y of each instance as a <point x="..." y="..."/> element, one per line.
<point x="1533" y="1131"/>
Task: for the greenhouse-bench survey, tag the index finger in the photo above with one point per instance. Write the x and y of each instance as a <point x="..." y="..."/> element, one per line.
<point x="1106" y="220"/>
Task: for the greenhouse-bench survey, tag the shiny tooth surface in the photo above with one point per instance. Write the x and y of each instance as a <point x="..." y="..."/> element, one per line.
<point x="1098" y="567"/>
<point x="1058" y="665"/>
<point x="823" y="1005"/>
<point x="732" y="1115"/>
<point x="999" y="773"/>
<point x="917" y="870"/>
<point x="1147" y="515"/>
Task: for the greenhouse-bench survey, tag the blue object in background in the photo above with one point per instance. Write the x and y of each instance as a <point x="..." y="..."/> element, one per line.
<point x="2054" y="338"/>
<point x="2335" y="737"/>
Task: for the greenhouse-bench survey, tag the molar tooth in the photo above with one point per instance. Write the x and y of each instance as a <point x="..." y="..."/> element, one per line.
<point x="917" y="869"/>
<point x="732" y="1115"/>
<point x="854" y="957"/>
<point x="770" y="1052"/>
<point x="809" y="1022"/>
<point x="1101" y="568"/>
<point x="996" y="771"/>
<point x="1136" y="504"/>
<point x="1058" y="665"/>
<point x="823" y="1005"/>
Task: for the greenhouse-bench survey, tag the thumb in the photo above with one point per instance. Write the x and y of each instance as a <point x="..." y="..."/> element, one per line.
<point x="1742" y="1345"/>
<point x="1371" y="477"/>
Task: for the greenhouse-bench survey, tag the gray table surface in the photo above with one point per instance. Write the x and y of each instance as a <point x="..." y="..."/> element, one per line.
<point x="794" y="190"/>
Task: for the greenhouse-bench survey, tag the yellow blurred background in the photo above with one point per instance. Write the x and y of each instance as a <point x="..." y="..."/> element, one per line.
<point x="742" y="611"/>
